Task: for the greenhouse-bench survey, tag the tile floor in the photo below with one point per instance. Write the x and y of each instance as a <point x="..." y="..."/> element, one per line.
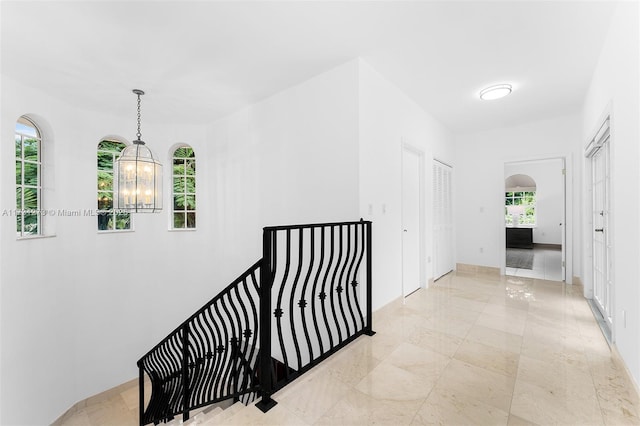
<point x="484" y="350"/>
<point x="547" y="265"/>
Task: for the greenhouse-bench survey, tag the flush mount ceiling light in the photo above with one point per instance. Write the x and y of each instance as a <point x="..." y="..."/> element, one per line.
<point x="495" y="92"/>
<point x="137" y="176"/>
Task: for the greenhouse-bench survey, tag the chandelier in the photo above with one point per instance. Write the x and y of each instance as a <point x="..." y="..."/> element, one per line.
<point x="137" y="176"/>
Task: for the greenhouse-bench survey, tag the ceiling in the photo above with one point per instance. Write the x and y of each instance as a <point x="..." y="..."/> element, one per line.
<point x="199" y="61"/>
<point x="519" y="181"/>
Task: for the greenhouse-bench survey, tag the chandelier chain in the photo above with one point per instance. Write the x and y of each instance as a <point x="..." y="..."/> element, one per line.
<point x="139" y="134"/>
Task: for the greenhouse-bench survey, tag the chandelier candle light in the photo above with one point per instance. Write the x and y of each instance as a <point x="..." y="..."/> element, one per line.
<point x="137" y="176"/>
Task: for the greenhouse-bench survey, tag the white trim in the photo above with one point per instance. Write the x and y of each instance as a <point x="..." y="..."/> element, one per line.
<point x="601" y="137"/>
<point x="34" y="237"/>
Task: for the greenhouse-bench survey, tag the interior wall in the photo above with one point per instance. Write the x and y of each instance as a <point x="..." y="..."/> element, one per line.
<point x="290" y="159"/>
<point x="389" y="118"/>
<point x="79" y="308"/>
<point x="479" y="198"/>
<point x="615" y="89"/>
<point x="549" y="197"/>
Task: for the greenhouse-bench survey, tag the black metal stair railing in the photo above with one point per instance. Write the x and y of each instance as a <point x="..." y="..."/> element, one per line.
<point x="308" y="297"/>
<point x="313" y="297"/>
<point x="211" y="357"/>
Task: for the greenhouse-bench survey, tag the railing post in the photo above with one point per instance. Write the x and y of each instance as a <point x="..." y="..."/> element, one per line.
<point x="369" y="328"/>
<point x="266" y="278"/>
<point x="185" y="372"/>
<point x="234" y="369"/>
<point x="141" y="392"/>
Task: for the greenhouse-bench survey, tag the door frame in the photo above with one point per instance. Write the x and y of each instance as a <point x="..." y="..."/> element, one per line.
<point x="406" y="146"/>
<point x="588" y="225"/>
<point x="568" y="212"/>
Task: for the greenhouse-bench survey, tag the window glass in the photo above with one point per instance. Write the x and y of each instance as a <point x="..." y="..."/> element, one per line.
<point x="183" y="212"/>
<point x="522" y="205"/>
<point x="108" y="218"/>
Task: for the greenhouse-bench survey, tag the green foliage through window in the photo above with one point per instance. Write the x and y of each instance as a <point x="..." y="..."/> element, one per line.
<point x="28" y="178"/>
<point x="108" y="219"/>
<point x="184" y="188"/>
<point x="523" y="205"/>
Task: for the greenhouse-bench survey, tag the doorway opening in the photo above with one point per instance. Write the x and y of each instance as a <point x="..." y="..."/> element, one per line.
<point x="535" y="218"/>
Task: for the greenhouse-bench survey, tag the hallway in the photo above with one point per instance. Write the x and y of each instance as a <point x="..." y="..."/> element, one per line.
<point x="469" y="350"/>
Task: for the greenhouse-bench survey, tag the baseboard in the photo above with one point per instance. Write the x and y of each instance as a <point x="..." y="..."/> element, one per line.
<point x="477" y="269"/>
<point x="548" y="246"/>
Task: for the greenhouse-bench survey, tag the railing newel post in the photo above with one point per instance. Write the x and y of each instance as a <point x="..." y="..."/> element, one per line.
<point x="266" y="278"/>
<point x="369" y="330"/>
<point x="185" y="372"/>
<point x="141" y="391"/>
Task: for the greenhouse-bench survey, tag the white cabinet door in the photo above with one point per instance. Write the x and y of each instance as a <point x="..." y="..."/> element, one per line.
<point x="443" y="258"/>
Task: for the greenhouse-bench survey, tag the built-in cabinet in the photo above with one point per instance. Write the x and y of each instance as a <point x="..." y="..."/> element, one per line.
<point x="520" y="238"/>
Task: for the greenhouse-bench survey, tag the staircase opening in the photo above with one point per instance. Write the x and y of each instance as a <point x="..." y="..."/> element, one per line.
<point x="308" y="297"/>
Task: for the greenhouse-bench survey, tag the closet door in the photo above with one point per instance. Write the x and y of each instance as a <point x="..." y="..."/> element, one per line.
<point x="443" y="258"/>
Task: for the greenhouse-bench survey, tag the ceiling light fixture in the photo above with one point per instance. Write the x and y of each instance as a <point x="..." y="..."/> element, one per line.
<point x="137" y="176"/>
<point x="495" y="92"/>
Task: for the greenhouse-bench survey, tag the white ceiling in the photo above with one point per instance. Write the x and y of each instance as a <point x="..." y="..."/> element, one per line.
<point x="201" y="60"/>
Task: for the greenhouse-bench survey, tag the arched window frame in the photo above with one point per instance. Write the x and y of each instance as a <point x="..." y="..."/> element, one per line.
<point x="183" y="188"/>
<point x="109" y="220"/>
<point x="29" y="221"/>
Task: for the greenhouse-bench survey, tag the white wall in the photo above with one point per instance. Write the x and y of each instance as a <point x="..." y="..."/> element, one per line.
<point x="388" y="118"/>
<point x="615" y="88"/>
<point x="479" y="198"/>
<point x="326" y="150"/>
<point x="549" y="196"/>
<point x="78" y="309"/>
<point x="290" y="159"/>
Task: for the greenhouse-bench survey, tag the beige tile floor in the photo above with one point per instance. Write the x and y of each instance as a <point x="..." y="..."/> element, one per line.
<point x="469" y="350"/>
<point x="547" y="265"/>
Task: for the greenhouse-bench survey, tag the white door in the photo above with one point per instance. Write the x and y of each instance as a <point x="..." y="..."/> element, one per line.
<point x="410" y="221"/>
<point x="443" y="259"/>
<point x="602" y="285"/>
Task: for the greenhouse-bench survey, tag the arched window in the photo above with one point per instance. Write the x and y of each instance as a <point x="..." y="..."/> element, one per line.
<point x="520" y="200"/>
<point x="28" y="178"/>
<point x="108" y="218"/>
<point x="184" y="189"/>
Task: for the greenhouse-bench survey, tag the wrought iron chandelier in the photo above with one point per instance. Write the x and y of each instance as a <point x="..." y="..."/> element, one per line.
<point x="137" y="176"/>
